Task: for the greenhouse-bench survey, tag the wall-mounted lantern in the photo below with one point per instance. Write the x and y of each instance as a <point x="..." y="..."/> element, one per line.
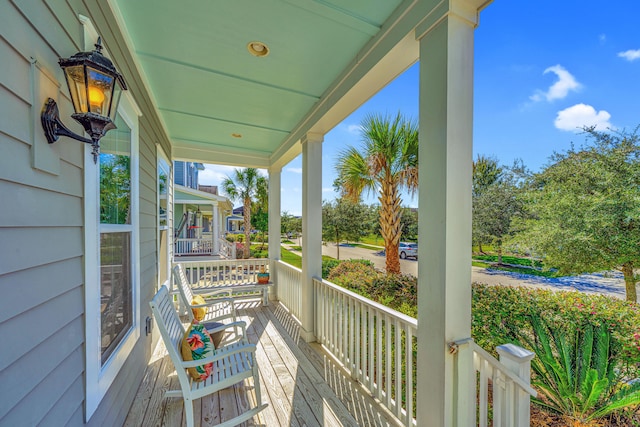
<point x="95" y="86"/>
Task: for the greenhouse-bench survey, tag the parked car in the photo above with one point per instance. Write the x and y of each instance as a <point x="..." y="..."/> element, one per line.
<point x="408" y="250"/>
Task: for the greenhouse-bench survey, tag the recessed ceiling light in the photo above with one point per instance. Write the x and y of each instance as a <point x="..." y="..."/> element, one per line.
<point x="236" y="135"/>
<point x="258" y="49"/>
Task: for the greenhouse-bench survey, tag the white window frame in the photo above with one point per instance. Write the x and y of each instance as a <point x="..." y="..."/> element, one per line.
<point x="98" y="376"/>
<point x="169" y="227"/>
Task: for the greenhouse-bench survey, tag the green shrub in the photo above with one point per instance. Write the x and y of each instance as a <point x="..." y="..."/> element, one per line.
<point x="327" y="266"/>
<point x="500" y="313"/>
<point x="398" y="291"/>
<point x="575" y="373"/>
<point x="354" y="275"/>
<point x="256" y="252"/>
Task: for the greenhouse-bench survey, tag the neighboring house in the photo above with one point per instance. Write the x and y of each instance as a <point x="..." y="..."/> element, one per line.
<point x="235" y="221"/>
<point x="199" y="221"/>
<point x="235" y="224"/>
<point x="76" y="280"/>
<point x="186" y="173"/>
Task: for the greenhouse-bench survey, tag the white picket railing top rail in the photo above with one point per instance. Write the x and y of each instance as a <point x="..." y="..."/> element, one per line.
<point x="496" y="364"/>
<point x="382" y="308"/>
<point x="285" y="264"/>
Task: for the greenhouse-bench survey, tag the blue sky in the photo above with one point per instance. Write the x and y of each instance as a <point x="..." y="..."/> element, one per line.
<point x="542" y="70"/>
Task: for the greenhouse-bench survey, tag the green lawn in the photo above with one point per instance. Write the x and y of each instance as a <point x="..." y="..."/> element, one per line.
<point x="294" y="259"/>
<point x="290" y="258"/>
<point x="365" y="246"/>
<point x="373" y="239"/>
<point x="507" y="259"/>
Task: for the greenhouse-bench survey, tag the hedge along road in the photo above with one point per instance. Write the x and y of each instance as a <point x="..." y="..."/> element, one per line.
<point x="611" y="284"/>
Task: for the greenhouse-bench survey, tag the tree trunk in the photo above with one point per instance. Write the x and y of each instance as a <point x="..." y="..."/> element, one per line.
<point x="390" y="213"/>
<point x="246" y="214"/>
<point x="629" y="281"/>
<point x="499" y="253"/>
<point x="337" y="246"/>
<point x="480" y="247"/>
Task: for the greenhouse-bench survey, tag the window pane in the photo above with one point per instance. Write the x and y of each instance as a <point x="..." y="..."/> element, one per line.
<point x="115" y="175"/>
<point x="163" y="183"/>
<point x="115" y="289"/>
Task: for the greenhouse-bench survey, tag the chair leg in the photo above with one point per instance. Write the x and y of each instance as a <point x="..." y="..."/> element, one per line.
<point x="188" y="412"/>
<point x="256" y="384"/>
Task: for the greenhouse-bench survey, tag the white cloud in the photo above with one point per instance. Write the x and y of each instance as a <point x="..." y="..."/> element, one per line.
<point x="602" y="38"/>
<point x="561" y="88"/>
<point x="354" y="129"/>
<point x="327" y="190"/>
<point x="630" y="55"/>
<point x="574" y="118"/>
<point x="214" y="174"/>
<point x="294" y="170"/>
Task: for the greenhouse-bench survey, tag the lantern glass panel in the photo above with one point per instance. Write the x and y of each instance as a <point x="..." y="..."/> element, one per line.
<point x="117" y="91"/>
<point x="77" y="87"/>
<point x="99" y="91"/>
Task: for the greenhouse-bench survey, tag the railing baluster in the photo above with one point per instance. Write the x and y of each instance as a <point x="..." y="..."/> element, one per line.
<point x="358" y="342"/>
<point x="388" y="358"/>
<point x="379" y="355"/>
<point x="398" y="368"/>
<point x="409" y="374"/>
<point x="483" y="404"/>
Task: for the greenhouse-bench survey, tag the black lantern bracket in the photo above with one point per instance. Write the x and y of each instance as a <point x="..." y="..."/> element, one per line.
<point x="92" y="80"/>
<point x="54" y="128"/>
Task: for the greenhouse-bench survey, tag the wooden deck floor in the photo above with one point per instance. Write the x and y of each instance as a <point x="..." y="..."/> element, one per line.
<point x="299" y="381"/>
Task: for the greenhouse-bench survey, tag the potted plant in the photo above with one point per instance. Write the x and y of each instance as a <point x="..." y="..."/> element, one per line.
<point x="263" y="276"/>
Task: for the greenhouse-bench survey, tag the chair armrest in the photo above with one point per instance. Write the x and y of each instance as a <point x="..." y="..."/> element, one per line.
<point x="240" y="323"/>
<point x="220" y="353"/>
<point x="213" y="293"/>
<point x="216" y="301"/>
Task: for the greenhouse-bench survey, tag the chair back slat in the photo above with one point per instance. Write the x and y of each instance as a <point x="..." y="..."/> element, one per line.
<point x="171" y="328"/>
<point x="181" y="282"/>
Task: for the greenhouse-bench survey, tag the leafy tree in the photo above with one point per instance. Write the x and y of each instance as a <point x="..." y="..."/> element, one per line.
<point x="409" y="223"/>
<point x="486" y="172"/>
<point x="115" y="188"/>
<point x="586" y="208"/>
<point x="343" y="220"/>
<point x="246" y="185"/>
<point x="290" y="224"/>
<point x="387" y="163"/>
<point x="496" y="205"/>
<point x="260" y="221"/>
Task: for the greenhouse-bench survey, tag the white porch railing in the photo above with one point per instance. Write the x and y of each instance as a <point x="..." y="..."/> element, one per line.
<point x="378" y="346"/>
<point x="193" y="247"/>
<point x="204" y="275"/>
<point x="510" y="380"/>
<point x="375" y="343"/>
<point x="227" y="248"/>
<point x="289" y="280"/>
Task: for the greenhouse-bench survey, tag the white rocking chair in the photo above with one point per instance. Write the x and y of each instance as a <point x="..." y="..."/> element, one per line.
<point x="217" y="311"/>
<point x="232" y="363"/>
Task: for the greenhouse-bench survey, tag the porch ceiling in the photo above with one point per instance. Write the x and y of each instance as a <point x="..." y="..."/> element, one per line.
<point x="326" y="58"/>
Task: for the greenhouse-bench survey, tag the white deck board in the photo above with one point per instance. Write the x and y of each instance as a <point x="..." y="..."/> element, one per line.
<point x="302" y="385"/>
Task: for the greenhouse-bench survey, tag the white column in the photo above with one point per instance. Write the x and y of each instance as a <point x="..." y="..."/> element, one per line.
<point x="274" y="228"/>
<point x="215" y="229"/>
<point x="444" y="288"/>
<point x="311" y="228"/>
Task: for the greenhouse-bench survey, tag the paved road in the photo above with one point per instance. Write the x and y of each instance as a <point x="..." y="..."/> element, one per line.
<point x="612" y="284"/>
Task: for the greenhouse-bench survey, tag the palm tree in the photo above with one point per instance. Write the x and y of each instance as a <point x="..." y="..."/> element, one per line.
<point x="387" y="164"/>
<point x="245" y="185"/>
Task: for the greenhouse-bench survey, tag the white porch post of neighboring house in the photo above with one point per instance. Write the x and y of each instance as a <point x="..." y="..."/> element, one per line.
<point x="311" y="228"/>
<point x="444" y="289"/>
<point x="274" y="227"/>
<point x="215" y="229"/>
